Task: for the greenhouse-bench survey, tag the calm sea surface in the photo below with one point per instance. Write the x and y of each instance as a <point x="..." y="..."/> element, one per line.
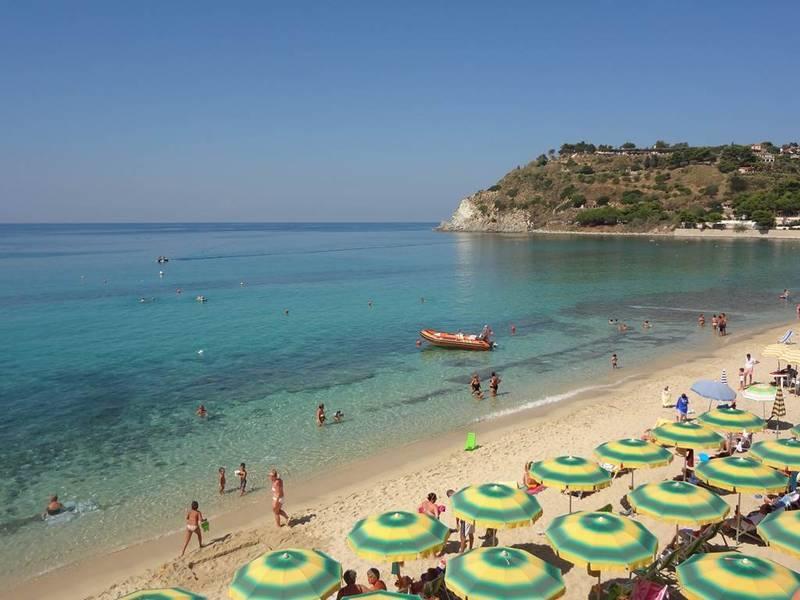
<point x="98" y="391"/>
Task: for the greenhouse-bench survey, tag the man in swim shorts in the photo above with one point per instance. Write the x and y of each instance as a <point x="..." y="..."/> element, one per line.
<point x="54" y="507"/>
<point x="277" y="498"/>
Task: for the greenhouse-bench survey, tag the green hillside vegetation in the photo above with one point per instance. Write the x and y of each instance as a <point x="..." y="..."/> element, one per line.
<point x="588" y="186"/>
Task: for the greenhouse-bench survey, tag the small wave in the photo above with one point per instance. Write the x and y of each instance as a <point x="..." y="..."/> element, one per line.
<point x="550" y="400"/>
<point x="672" y="308"/>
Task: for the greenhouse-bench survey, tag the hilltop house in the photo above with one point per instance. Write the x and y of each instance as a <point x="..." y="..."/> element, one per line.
<point x="767" y="158"/>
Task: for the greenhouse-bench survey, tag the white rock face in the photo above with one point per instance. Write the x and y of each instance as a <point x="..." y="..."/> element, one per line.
<point x="468" y="217"/>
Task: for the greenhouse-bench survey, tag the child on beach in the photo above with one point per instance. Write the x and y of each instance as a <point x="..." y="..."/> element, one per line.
<point x="614" y="361"/>
<point x="193" y="520"/>
<point x="741" y="378"/>
<point x="222" y="480"/>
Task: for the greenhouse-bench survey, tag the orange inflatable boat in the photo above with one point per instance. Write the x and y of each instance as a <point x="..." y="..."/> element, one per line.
<point x="459" y="341"/>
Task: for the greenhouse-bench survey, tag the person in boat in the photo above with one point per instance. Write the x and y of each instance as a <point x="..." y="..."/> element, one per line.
<point x="320" y="415"/>
<point x="494" y="383"/>
<point x="54" y="507"/>
<point x="475" y="384"/>
<point x="486" y="333"/>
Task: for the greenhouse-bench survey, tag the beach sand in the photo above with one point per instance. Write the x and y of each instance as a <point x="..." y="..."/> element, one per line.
<point x="325" y="508"/>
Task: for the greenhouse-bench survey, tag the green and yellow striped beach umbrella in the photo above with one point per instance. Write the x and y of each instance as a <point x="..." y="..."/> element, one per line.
<point x="781" y="530"/>
<point x="735" y="576"/>
<point x="687" y="435"/>
<point x="732" y="419"/>
<point x="397" y="536"/>
<point x="780" y="454"/>
<point x="287" y="575"/>
<point x="571" y="473"/>
<point x="678" y="502"/>
<point x="761" y="392"/>
<point x="503" y="574"/>
<point x="163" y="594"/>
<point x="388" y="596"/>
<point x="790" y="354"/>
<point x="738" y="474"/>
<point x="496" y="506"/>
<point x="602" y="541"/>
<point x="633" y="454"/>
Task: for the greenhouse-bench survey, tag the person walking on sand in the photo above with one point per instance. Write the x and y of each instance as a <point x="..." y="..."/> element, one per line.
<point x="222" y="480"/>
<point x="277" y="498"/>
<point x="242" y="473"/>
<point x="193" y="520"/>
<point x="494" y="383"/>
<point x="614" y="361"/>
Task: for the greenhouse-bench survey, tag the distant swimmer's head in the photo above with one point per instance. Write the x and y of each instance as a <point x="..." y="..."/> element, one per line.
<point x="241" y="465"/>
<point x="195" y="505"/>
<point x="222" y="470"/>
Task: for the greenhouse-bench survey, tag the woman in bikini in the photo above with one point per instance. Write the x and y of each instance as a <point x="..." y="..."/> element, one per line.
<point x="277" y="498"/>
<point x="193" y="519"/>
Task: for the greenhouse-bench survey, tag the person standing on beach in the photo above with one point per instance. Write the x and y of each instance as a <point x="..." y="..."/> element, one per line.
<point x="723" y="324"/>
<point x="701" y="320"/>
<point x="682" y="408"/>
<point x="242" y="473"/>
<point x="714" y="323"/>
<point x="494" y="383"/>
<point x="193" y="520"/>
<point x="749" y="369"/>
<point x="614" y="361"/>
<point x="277" y="498"/>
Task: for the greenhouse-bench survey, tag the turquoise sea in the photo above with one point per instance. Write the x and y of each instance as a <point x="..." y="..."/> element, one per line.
<point x="98" y="390"/>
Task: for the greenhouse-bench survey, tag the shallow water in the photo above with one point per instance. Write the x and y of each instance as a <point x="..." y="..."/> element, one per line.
<point x="98" y="391"/>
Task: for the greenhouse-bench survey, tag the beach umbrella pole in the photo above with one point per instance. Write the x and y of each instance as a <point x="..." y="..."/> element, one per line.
<point x="738" y="517"/>
<point x="570" y="500"/>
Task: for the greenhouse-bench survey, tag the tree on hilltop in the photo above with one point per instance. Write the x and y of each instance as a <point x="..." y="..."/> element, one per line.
<point x="628" y="146"/>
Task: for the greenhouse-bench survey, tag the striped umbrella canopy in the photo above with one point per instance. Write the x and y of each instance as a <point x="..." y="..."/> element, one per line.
<point x="760" y="392"/>
<point x="571" y="473"/>
<point x="790" y="354"/>
<point x="632" y="454"/>
<point x="503" y="574"/>
<point x="687" y="435"/>
<point x="678" y="502"/>
<point x="287" y="575"/>
<point x="778" y="407"/>
<point x="388" y="596"/>
<point x="397" y="536"/>
<point x="781" y="530"/>
<point x="780" y="454"/>
<point x="163" y="594"/>
<point x="774" y="350"/>
<point x="738" y="474"/>
<point x="732" y="419"/>
<point x="735" y="576"/>
<point x="602" y="541"/>
<point x="496" y="506"/>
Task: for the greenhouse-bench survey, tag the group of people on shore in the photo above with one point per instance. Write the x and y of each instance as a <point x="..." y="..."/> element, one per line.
<point x="196" y="523"/>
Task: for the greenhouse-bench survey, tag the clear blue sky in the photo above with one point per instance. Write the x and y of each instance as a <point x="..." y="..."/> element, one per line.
<point x="267" y="111"/>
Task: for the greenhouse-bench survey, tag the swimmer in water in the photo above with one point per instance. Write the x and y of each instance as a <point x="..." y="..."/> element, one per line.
<point x="784" y="295"/>
<point x="286" y="311"/>
<point x="161" y="273"/>
<point x="54" y="507"/>
<point x="612" y="321"/>
<point x="422" y="300"/>
<point x="241" y="284"/>
<point x="647" y="324"/>
<point x="178" y="291"/>
<point x="320" y="415"/>
<point x="701" y="320"/>
<point x="201" y="411"/>
<point x="614" y="361"/>
<point x="369" y="303"/>
<point x="494" y="383"/>
<point x="513" y="329"/>
<point x="338" y="416"/>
